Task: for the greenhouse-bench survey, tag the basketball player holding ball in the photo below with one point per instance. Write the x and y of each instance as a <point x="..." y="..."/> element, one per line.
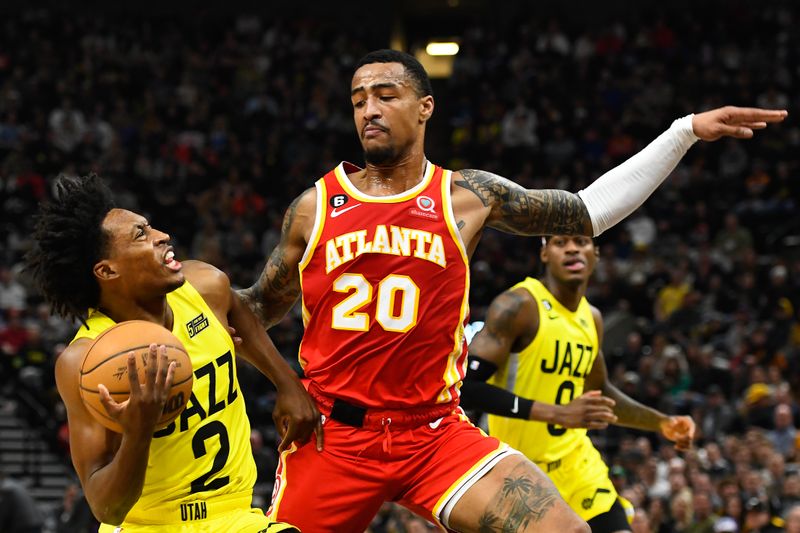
<point x="103" y="266"/>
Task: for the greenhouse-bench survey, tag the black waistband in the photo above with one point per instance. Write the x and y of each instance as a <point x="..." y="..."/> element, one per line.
<point x="349" y="414"/>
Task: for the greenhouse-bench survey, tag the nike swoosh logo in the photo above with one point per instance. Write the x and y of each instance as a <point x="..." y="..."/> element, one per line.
<point x="435" y="423"/>
<point x="335" y="213"/>
<point x="515" y="409"/>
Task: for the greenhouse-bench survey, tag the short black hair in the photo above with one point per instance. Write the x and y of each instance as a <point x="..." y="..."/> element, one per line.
<point x="68" y="240"/>
<point x="418" y="74"/>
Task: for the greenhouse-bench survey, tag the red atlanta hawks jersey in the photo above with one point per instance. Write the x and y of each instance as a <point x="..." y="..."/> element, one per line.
<point x="385" y="294"/>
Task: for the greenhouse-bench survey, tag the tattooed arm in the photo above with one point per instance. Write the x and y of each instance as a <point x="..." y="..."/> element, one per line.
<point x="278" y="287"/>
<point x="631" y="413"/>
<point x="514" y="209"/>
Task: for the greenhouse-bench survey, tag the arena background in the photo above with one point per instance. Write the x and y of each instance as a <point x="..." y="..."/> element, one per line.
<point x="210" y="120"/>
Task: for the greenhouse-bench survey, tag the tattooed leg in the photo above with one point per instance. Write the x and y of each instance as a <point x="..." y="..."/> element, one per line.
<point x="514" y="497"/>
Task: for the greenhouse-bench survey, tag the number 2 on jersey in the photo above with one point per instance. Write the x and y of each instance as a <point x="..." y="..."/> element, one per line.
<point x="213" y="428"/>
<point x="391" y="317"/>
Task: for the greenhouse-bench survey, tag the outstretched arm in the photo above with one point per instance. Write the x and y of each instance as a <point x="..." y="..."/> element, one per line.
<point x="617" y="193"/>
<point x="521" y="211"/>
<point x="278" y="287"/>
<point x="629" y="412"/>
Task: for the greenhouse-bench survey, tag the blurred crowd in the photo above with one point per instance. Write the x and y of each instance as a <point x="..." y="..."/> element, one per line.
<point x="212" y="126"/>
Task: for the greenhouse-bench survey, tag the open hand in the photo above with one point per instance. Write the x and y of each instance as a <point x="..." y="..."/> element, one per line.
<point x="731" y="121"/>
<point x="680" y="430"/>
<point x="140" y="413"/>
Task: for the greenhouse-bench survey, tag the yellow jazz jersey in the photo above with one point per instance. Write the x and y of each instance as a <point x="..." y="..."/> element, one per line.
<point x="551" y="369"/>
<point x="202" y="463"/>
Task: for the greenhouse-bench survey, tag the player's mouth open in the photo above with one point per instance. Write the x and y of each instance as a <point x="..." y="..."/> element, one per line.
<point x="574" y="265"/>
<point x="170" y="261"/>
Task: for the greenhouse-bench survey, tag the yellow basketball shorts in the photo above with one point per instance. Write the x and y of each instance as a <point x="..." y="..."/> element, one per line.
<point x="238" y="521"/>
<point x="581" y="477"/>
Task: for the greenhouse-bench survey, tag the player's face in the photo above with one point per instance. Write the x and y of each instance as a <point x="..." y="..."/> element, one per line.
<point x="140" y="256"/>
<point x="389" y="115"/>
<point x="570" y="258"/>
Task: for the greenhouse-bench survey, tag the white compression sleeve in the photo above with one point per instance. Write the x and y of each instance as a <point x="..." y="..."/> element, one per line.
<point x="620" y="191"/>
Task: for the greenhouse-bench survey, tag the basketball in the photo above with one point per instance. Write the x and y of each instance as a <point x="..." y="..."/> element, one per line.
<point x="106" y="363"/>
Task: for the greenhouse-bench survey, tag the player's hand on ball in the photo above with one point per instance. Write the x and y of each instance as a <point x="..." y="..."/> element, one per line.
<point x="730" y="121"/>
<point x="140" y="413"/>
<point x="296" y="416"/>
<point x="591" y="410"/>
<point x="680" y="430"/>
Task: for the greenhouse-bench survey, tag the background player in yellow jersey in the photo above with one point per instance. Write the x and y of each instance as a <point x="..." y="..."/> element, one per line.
<point x="540" y="349"/>
<point x="104" y="265"/>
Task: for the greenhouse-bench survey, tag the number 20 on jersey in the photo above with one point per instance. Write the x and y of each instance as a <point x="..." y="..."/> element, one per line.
<point x="396" y="307"/>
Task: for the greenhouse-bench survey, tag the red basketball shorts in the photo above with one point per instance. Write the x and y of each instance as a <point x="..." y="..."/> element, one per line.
<point x="426" y="468"/>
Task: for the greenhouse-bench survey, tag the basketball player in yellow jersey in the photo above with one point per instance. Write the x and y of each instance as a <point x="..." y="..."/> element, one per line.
<point x="540" y="349"/>
<point x="197" y="474"/>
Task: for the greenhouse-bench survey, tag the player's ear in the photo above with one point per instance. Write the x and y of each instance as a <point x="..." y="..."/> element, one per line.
<point x="425" y="108"/>
<point x="543" y="255"/>
<point x="104" y="270"/>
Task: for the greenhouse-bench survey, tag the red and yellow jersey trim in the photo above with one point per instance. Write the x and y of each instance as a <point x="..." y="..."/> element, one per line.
<point x="352" y="190"/>
<point x="453" y="374"/>
<point x="313" y="240"/>
<point x="319" y="223"/>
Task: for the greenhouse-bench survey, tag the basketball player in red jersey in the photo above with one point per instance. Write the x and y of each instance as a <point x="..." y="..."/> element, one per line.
<point x="380" y="256"/>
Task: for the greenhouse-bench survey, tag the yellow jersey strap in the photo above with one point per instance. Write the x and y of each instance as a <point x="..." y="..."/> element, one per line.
<point x="98" y="322"/>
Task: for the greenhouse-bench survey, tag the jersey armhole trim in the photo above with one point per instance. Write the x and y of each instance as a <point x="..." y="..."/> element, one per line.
<point x="319" y="224"/>
<point x="450" y="217"/>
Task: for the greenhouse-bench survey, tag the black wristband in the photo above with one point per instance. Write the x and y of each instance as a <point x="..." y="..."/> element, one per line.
<point x="494" y="400"/>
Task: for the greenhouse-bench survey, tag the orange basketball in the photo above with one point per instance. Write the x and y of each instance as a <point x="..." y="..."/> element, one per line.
<point x="106" y="362"/>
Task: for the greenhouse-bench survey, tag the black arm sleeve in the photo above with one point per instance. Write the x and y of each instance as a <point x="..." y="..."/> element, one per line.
<point x="477" y="394"/>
